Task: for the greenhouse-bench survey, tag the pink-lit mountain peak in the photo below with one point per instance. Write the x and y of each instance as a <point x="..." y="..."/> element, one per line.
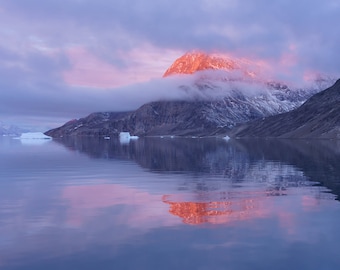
<point x="195" y="61"/>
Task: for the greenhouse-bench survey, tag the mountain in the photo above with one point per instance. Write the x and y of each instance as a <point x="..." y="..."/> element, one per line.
<point x="318" y="117"/>
<point x="192" y="62"/>
<point x="195" y="61"/>
<point x="218" y="93"/>
<point x="10" y="130"/>
<point x="215" y="108"/>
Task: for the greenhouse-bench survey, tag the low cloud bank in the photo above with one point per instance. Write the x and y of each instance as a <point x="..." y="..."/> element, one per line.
<point x="70" y="102"/>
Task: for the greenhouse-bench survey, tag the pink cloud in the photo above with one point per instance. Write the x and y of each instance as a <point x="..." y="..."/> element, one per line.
<point x="90" y="71"/>
<point x="289" y="59"/>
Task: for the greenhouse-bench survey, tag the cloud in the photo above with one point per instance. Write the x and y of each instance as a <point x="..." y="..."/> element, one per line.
<point x="88" y="69"/>
<point x="248" y="28"/>
<point x="126" y="42"/>
<point x="62" y="103"/>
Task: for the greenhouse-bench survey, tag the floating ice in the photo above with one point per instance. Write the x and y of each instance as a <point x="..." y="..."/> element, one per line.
<point x="34" y="136"/>
<point x="227" y="138"/>
<point x="125" y="137"/>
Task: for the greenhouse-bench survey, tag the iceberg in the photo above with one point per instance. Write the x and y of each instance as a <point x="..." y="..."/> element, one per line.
<point x="226" y="137"/>
<point x="125" y="137"/>
<point x="34" y="136"/>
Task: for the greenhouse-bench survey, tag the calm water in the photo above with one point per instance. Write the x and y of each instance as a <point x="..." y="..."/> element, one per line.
<point x="169" y="204"/>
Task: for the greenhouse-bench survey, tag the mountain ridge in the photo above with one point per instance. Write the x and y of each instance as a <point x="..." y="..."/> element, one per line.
<point x="318" y="117"/>
<point x="204" y="115"/>
<point x="11" y="130"/>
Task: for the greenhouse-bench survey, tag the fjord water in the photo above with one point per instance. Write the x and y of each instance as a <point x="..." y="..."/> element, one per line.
<point x="162" y="203"/>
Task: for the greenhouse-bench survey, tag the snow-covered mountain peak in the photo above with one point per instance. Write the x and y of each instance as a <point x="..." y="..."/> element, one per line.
<point x="195" y="61"/>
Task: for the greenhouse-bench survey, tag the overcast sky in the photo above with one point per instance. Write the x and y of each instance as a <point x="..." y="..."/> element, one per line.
<point x="64" y="59"/>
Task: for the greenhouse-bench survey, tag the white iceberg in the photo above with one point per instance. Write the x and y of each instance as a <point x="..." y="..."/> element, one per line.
<point x="125" y="137"/>
<point x="34" y="136"/>
<point x="227" y="138"/>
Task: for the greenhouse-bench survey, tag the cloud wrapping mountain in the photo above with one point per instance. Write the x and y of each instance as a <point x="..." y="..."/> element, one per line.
<point x="205" y="103"/>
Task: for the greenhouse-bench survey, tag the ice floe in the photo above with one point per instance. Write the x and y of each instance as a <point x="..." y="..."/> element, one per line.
<point x="34" y="136"/>
<point x="125" y="137"/>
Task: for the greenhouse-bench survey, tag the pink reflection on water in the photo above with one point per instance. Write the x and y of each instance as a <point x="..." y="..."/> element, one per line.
<point x="219" y="208"/>
<point x="86" y="202"/>
<point x="310" y="203"/>
<point x="287" y="221"/>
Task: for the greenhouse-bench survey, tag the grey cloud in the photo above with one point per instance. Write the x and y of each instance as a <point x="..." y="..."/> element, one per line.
<point x="261" y="28"/>
<point x="65" y="102"/>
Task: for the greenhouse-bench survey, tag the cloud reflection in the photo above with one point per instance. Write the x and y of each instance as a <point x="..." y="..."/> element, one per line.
<point x="86" y="202"/>
<point x="217" y="212"/>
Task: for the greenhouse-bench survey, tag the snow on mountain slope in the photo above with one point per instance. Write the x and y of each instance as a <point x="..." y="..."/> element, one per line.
<point x="318" y="117"/>
<point x="227" y="102"/>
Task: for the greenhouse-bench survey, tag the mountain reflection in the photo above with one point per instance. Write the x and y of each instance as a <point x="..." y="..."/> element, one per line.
<point x="104" y="200"/>
<point x="235" y="161"/>
<point x="216" y="212"/>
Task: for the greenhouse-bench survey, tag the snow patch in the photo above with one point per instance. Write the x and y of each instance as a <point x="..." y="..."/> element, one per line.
<point x="78" y="126"/>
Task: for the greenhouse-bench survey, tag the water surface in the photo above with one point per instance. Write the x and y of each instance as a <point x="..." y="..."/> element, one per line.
<point x="162" y="203"/>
